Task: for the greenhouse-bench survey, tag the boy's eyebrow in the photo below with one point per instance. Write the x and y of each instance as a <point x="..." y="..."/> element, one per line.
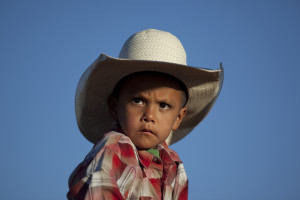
<point x="140" y="94"/>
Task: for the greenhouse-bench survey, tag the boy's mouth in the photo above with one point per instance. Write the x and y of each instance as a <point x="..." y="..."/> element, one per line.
<point x="146" y="130"/>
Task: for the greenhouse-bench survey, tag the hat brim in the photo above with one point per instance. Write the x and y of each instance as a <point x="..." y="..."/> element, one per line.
<point x="98" y="81"/>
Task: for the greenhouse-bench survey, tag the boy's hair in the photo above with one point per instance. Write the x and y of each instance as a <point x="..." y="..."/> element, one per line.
<point x="179" y="83"/>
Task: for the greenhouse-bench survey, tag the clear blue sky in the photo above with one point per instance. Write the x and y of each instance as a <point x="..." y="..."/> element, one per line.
<point x="247" y="148"/>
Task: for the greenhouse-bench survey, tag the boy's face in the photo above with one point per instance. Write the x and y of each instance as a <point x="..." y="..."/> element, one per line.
<point x="148" y="107"/>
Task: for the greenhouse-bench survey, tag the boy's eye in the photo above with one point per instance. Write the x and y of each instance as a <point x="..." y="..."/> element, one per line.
<point x="164" y="105"/>
<point x="137" y="100"/>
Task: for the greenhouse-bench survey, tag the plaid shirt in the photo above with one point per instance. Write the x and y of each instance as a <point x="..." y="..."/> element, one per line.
<point x="115" y="169"/>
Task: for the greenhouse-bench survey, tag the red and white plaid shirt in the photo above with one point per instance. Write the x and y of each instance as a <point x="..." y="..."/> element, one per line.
<point x="115" y="169"/>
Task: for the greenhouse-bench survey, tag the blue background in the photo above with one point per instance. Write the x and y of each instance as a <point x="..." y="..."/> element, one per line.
<point x="246" y="148"/>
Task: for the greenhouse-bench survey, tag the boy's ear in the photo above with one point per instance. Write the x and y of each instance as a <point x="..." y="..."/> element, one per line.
<point x="179" y="118"/>
<point x="112" y="104"/>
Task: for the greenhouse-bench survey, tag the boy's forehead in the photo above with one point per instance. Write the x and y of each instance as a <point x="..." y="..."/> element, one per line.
<point x="146" y="80"/>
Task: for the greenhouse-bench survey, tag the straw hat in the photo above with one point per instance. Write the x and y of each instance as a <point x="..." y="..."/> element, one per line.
<point x="148" y="50"/>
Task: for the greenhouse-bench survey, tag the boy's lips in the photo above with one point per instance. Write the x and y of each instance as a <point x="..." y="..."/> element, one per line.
<point x="146" y="130"/>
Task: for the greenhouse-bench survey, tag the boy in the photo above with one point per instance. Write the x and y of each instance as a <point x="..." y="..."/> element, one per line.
<point x="145" y="100"/>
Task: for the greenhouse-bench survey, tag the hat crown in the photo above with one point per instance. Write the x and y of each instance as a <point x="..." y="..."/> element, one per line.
<point x="154" y="45"/>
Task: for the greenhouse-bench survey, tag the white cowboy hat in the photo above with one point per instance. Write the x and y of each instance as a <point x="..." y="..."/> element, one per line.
<point x="148" y="50"/>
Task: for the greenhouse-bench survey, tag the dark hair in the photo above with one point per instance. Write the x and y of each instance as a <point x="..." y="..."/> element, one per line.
<point x="118" y="86"/>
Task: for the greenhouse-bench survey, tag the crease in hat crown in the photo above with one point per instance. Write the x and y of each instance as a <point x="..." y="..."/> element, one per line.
<point x="154" y="45"/>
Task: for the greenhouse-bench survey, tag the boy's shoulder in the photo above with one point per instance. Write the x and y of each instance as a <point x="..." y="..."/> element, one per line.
<point x="112" y="139"/>
<point x="116" y="143"/>
<point x="111" y="150"/>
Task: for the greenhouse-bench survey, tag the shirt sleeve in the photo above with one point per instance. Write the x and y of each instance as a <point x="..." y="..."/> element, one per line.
<point x="101" y="177"/>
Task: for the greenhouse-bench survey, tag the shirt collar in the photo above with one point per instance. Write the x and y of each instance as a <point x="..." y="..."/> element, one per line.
<point x="166" y="151"/>
<point x="168" y="156"/>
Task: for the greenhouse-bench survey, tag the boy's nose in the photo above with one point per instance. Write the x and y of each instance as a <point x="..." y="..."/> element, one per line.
<point x="149" y="114"/>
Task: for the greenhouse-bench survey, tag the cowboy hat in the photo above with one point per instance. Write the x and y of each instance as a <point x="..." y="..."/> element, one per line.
<point x="148" y="50"/>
